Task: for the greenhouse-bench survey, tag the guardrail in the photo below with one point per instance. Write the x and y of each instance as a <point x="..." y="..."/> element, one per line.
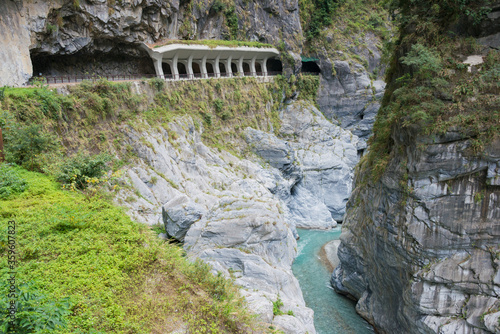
<point x="129" y="77"/>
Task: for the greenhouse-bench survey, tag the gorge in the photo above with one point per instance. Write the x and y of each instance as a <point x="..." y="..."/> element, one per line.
<point x="378" y="125"/>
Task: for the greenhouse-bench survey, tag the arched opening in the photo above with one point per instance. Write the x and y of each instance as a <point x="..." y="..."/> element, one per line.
<point x="310" y="67"/>
<point x="258" y="68"/>
<point x="196" y="70"/>
<point x="84" y="65"/>
<point x="210" y="70"/>
<point x="274" y="66"/>
<point x="167" y="70"/>
<point x="182" y="70"/>
<point x="222" y="70"/>
<point x="246" y="69"/>
<point x="234" y="69"/>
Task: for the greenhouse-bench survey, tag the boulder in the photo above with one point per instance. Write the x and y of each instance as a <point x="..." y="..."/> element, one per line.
<point x="179" y="214"/>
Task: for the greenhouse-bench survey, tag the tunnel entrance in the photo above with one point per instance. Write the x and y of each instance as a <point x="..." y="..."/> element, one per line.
<point x="274" y="66"/>
<point x="210" y="70"/>
<point x="196" y="70"/>
<point x="87" y="64"/>
<point x="258" y="68"/>
<point x="182" y="70"/>
<point x="309" y="65"/>
<point x="234" y="69"/>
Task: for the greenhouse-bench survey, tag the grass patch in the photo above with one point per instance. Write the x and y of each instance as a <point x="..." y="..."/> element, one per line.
<point x="114" y="274"/>
<point x="213" y="43"/>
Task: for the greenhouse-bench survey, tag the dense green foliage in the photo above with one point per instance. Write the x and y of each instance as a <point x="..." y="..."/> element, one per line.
<point x="344" y="29"/>
<point x="429" y="87"/>
<point x="320" y="15"/>
<point x="82" y="168"/>
<point x="91" y="115"/>
<point x="10" y="181"/>
<point x="74" y="248"/>
<point x="25" y="145"/>
<point x="35" y="312"/>
<point x="85" y="267"/>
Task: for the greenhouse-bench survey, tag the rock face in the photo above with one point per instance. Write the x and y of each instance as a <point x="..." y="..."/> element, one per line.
<point x="15" y="63"/>
<point x="350" y="97"/>
<point x="223" y="210"/>
<point x="420" y="248"/>
<point x="313" y="156"/>
<point x="103" y="37"/>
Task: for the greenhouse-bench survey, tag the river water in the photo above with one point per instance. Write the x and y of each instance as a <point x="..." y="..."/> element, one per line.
<point x="333" y="313"/>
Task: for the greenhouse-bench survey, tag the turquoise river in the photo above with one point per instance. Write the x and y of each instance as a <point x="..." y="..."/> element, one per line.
<point x="333" y="313"/>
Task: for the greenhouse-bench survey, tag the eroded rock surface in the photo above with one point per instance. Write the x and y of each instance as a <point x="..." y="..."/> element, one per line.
<point x="420" y="248"/>
<point x="66" y="37"/>
<point x="222" y="208"/>
<point x="314" y="156"/>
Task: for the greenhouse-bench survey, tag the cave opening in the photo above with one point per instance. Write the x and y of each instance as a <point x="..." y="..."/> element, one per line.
<point x="310" y="67"/>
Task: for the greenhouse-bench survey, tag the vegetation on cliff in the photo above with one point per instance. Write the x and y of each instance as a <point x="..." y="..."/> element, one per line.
<point x="430" y="88"/>
<point x="82" y="262"/>
<point x="345" y="29"/>
<point x="85" y="267"/>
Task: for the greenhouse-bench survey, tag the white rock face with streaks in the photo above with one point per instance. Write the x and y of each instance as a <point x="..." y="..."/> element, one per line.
<point x="223" y="210"/>
<point x="426" y="262"/>
<point x="315" y="157"/>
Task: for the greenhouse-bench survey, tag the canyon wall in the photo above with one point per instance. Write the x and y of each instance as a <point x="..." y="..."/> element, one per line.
<point x="420" y="244"/>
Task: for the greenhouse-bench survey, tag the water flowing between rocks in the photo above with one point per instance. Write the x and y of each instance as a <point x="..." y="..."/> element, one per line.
<point x="333" y="313"/>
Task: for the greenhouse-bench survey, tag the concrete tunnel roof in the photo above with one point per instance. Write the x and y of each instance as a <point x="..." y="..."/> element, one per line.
<point x="198" y="51"/>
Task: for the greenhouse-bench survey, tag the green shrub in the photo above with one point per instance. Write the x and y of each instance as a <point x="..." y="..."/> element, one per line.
<point x="218" y="6"/>
<point x="157" y="83"/>
<point x="35" y="313"/>
<point x="424" y="61"/>
<point x="80" y="168"/>
<point x="25" y="144"/>
<point x="10" y="181"/>
<point x="218" y="105"/>
<point x="277" y="307"/>
<point x="232" y="22"/>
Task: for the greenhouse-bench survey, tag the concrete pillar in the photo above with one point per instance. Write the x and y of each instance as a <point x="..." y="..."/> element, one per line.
<point x="189" y="68"/>
<point x="175" y="70"/>
<point x="264" y="67"/>
<point x="228" y="67"/>
<point x="158" y="67"/>
<point x="216" y="67"/>
<point x="241" y="73"/>
<point x="204" y="73"/>
<point x="252" y="67"/>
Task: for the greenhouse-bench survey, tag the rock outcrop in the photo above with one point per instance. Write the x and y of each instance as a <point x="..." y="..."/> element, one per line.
<point x="351" y="97"/>
<point x="15" y="62"/>
<point x="419" y="249"/>
<point x="103" y="37"/>
<point x="223" y="210"/>
<point x="313" y="156"/>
